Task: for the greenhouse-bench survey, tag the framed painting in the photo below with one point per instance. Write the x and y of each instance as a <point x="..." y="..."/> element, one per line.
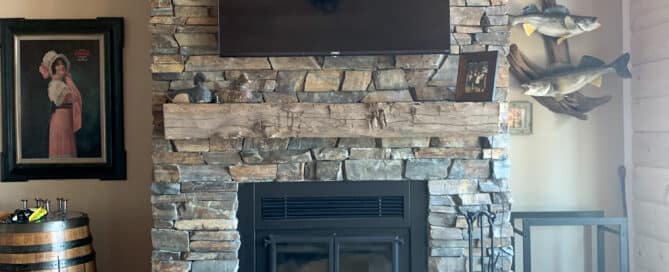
<point x="476" y="77"/>
<point x="62" y="99"/>
<point x="520" y="118"/>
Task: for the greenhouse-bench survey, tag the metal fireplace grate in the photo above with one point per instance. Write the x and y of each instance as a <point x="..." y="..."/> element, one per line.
<point x="287" y="208"/>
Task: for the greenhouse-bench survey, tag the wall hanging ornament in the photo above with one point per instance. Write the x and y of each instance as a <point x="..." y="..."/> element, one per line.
<point x="62" y="99"/>
<point x="559" y="89"/>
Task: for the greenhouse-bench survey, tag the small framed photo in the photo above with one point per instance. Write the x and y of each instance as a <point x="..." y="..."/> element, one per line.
<point x="520" y="118"/>
<point x="476" y="77"/>
<point x="62" y="99"/>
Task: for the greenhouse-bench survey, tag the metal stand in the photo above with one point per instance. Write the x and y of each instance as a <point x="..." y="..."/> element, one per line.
<point x="472" y="218"/>
<point x="572" y="218"/>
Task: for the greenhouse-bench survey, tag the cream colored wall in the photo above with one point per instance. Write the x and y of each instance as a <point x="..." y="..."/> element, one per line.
<point x="649" y="103"/>
<point x="120" y="210"/>
<point x="568" y="164"/>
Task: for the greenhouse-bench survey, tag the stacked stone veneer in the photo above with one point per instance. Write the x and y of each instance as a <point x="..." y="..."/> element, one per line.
<point x="195" y="181"/>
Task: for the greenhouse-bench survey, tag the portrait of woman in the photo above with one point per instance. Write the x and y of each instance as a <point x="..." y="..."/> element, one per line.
<point x="65" y="120"/>
<point x="61" y="100"/>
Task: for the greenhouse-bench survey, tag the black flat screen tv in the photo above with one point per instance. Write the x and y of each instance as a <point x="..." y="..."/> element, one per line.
<point x="333" y="27"/>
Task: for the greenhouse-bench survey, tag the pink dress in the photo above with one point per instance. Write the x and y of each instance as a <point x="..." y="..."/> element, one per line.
<point x="65" y="122"/>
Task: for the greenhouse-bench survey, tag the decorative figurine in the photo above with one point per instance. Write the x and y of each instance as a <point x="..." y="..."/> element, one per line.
<point x="198" y="94"/>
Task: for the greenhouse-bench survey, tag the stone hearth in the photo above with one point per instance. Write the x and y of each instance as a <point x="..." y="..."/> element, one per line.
<point x="195" y="181"/>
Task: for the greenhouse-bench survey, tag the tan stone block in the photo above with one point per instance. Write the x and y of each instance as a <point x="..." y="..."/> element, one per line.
<point x="245" y="173"/>
<point x="193" y="145"/>
<point x="165" y="173"/>
<point x="221" y="144"/>
<point x="495" y="154"/>
<point x="177" y="158"/>
<point x="170" y="266"/>
<point x="196" y="39"/>
<point x="452" y="187"/>
<point x="161" y="3"/>
<point x="502" y="77"/>
<point x="388" y="97"/>
<point x="202" y="21"/>
<point x="168" y="59"/>
<point x="470" y="16"/>
<point x="186" y="11"/>
<point x="206" y="224"/>
<point x="322" y="81"/>
<point x="198" y="3"/>
<point x="215" y="63"/>
<point x="167" y="68"/>
<point x="456" y="141"/>
<point x="356" y="80"/>
<point x="167" y="20"/>
<point x="294" y="63"/>
<point x="419" y="61"/>
<point x="215" y="246"/>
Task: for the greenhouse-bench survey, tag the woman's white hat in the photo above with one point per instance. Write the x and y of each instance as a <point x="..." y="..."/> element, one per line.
<point x="51" y="57"/>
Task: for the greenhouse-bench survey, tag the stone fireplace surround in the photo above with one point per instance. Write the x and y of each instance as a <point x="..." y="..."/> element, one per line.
<point x="195" y="180"/>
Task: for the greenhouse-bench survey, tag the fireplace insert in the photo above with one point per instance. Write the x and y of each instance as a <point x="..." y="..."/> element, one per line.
<point x="333" y="227"/>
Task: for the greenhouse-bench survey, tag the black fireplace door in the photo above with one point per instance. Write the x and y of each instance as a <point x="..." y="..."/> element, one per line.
<point x="333" y="227"/>
<point x="345" y="251"/>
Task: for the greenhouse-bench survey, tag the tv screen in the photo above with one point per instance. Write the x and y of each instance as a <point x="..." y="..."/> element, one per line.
<point x="333" y="27"/>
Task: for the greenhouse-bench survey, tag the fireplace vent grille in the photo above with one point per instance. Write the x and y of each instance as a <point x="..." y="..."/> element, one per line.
<point x="295" y="208"/>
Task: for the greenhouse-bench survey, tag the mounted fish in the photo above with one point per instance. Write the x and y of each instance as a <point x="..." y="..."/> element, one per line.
<point x="554" y="22"/>
<point x="564" y="81"/>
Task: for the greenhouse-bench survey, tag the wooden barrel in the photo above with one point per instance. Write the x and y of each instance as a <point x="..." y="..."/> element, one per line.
<point x="57" y="244"/>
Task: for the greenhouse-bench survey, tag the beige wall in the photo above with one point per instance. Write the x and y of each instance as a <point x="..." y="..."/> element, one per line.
<point x="650" y="133"/>
<point x="568" y="164"/>
<point x="119" y="210"/>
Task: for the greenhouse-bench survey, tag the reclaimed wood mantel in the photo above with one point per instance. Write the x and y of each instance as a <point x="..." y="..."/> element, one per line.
<point x="413" y="119"/>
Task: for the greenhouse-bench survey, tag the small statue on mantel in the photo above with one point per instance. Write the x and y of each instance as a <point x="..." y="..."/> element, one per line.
<point x="198" y="94"/>
<point x="239" y="90"/>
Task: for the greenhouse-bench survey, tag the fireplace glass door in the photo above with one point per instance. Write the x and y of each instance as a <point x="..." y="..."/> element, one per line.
<point x="333" y="227"/>
<point x="333" y="254"/>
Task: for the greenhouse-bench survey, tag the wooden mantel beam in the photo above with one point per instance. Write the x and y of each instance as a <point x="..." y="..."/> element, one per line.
<point x="429" y="119"/>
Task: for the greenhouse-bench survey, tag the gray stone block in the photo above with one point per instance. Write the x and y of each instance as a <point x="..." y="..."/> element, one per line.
<point x="170" y="240"/>
<point x="426" y="169"/>
<point x="330" y="97"/>
<point x="203" y="173"/>
<point x="330" y="154"/>
<point x="361" y="170"/>
<point x="350" y="63"/>
<point x="164" y="211"/>
<point x="470" y="169"/>
<point x="357" y="142"/>
<point x="165" y="188"/>
<point x="215" y="266"/>
<point x="195" y="187"/>
<point x="452" y="187"/>
<point x="309" y="143"/>
<point x="223" y="158"/>
<point x="159" y="255"/>
<point x="328" y="170"/>
<point x="279" y="156"/>
<point x="390" y="80"/>
<point x="290" y="172"/>
<point x="265" y="144"/>
<point x="207" y="210"/>
<point x="370" y="153"/>
<point x="290" y="81"/>
<point x="442" y="233"/>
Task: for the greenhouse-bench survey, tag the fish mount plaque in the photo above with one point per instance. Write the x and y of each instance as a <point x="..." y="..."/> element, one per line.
<point x="575" y="104"/>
